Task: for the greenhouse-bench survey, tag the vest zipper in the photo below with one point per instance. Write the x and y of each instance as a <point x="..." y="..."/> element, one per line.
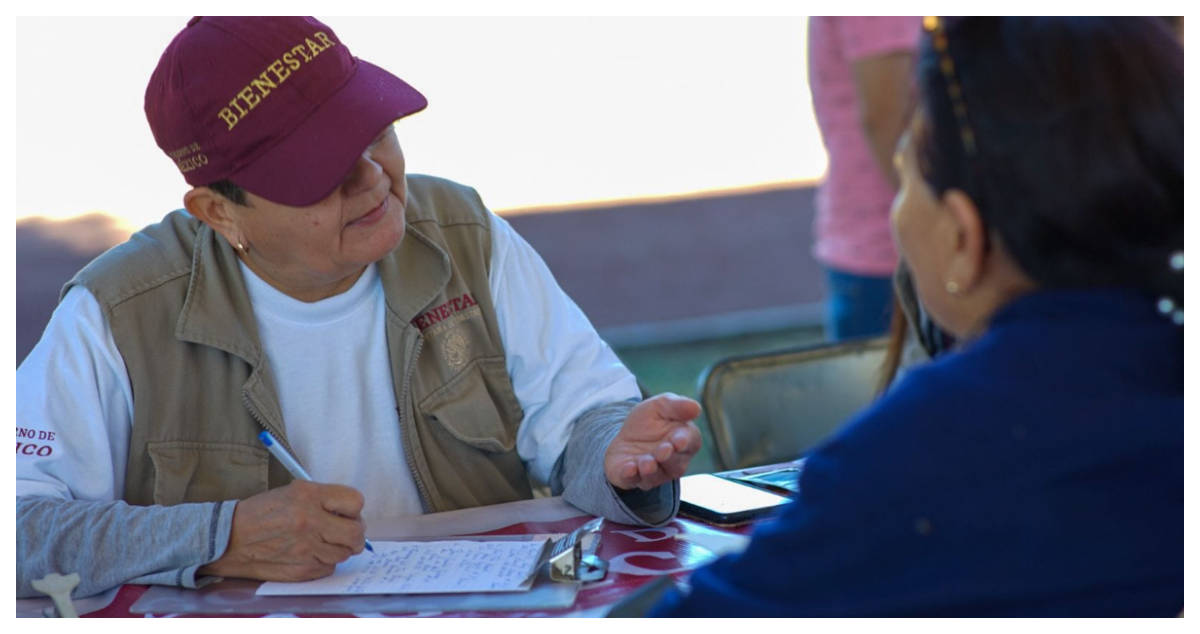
<point x="426" y="503"/>
<point x="274" y="432"/>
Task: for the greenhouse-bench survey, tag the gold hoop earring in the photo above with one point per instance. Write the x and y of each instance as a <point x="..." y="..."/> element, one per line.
<point x="952" y="287"/>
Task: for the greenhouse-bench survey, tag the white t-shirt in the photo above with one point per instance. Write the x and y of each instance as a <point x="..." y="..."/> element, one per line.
<point x="74" y="400"/>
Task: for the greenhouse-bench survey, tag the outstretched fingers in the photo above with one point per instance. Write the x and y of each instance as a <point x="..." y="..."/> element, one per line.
<point x="676" y="408"/>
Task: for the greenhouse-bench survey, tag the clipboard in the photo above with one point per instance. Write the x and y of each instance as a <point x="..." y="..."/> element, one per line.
<point x="571" y="559"/>
<point x="237" y="597"/>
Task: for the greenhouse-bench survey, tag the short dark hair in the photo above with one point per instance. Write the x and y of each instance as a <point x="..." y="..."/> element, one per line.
<point x="229" y="190"/>
<point x="1078" y="136"/>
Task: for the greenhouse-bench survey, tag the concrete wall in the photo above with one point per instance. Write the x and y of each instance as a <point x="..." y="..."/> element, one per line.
<point x="684" y="269"/>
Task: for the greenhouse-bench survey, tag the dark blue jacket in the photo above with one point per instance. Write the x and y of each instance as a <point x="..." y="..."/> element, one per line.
<point x="1038" y="471"/>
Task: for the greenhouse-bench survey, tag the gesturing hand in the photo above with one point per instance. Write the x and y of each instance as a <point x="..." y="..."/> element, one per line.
<point x="293" y="533"/>
<point x="655" y="443"/>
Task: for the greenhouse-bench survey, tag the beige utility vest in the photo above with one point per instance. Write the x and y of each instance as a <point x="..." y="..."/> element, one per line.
<point x="202" y="388"/>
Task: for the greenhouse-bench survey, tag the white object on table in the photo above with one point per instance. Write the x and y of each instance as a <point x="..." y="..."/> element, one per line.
<point x="59" y="588"/>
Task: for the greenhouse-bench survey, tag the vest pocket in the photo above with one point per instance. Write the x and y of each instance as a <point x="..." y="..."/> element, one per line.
<point x="474" y="408"/>
<point x="188" y="471"/>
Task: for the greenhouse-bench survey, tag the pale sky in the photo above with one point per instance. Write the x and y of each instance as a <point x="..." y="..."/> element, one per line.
<point x="528" y="110"/>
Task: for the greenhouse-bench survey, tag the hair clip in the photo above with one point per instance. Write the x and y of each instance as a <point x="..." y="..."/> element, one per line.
<point x="936" y="27"/>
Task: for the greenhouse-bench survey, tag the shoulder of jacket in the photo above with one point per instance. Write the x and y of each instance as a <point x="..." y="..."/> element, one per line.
<point x="445" y="202"/>
<point x="154" y="256"/>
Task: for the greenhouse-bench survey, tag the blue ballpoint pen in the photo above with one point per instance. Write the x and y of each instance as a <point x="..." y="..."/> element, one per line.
<point x="290" y="464"/>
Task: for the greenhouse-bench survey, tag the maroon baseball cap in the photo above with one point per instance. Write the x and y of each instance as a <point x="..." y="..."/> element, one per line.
<point x="277" y="105"/>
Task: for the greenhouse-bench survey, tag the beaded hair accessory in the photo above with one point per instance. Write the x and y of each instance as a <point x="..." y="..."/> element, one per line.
<point x="936" y="27"/>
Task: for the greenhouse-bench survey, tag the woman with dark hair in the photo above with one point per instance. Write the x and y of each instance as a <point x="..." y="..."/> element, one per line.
<point x="1037" y="468"/>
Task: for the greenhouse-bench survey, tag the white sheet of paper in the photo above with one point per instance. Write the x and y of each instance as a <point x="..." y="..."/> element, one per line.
<point x="426" y="567"/>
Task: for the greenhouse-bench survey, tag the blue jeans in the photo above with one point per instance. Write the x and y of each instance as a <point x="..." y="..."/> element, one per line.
<point x="858" y="305"/>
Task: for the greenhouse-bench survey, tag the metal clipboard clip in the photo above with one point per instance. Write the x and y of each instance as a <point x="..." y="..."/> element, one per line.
<point x="573" y="557"/>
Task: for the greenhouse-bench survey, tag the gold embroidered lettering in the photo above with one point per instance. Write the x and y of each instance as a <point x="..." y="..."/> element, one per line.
<point x="263" y="84"/>
<point x="191" y="163"/>
<point x="247" y="98"/>
<point x="313" y="47"/>
<point x="230" y="118"/>
<point x="247" y="95"/>
<point x="299" y="48"/>
<point x="280" y="72"/>
<point x="188" y="157"/>
<point x="184" y="151"/>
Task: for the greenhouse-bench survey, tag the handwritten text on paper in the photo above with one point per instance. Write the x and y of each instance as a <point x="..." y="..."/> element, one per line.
<point x="426" y="568"/>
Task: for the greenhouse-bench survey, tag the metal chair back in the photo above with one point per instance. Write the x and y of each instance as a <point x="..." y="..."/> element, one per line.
<point x="776" y="406"/>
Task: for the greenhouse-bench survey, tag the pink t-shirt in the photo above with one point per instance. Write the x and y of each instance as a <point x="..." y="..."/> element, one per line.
<point x="852" y="230"/>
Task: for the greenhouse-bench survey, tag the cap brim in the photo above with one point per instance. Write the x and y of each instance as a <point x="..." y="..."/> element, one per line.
<point x="316" y="156"/>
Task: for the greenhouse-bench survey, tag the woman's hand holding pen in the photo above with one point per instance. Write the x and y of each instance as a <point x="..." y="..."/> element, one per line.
<point x="296" y="532"/>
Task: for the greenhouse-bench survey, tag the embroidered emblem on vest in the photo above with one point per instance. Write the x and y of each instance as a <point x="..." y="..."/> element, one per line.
<point x="442" y="323"/>
<point x="456" y="349"/>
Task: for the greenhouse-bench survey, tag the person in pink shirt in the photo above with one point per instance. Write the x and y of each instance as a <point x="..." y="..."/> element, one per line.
<point x="859" y="70"/>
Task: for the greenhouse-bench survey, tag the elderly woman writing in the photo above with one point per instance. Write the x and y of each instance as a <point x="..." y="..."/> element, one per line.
<point x="1037" y="469"/>
<point x="406" y="345"/>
